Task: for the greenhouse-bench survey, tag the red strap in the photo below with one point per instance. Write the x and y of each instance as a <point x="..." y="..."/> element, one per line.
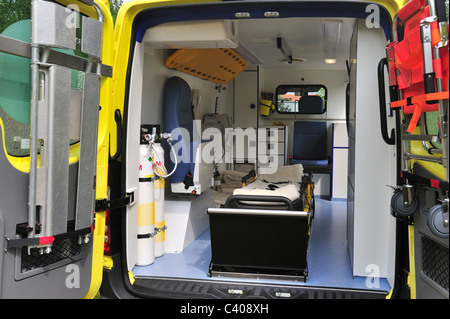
<point x="418" y="101"/>
<point x="415" y="118"/>
<point x="434" y="183"/>
<point x="421" y="98"/>
<point x="435" y="34"/>
<point x="46" y="240"/>
<point x="437" y="67"/>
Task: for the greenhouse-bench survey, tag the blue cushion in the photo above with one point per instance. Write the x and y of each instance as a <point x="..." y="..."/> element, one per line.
<point x="178" y="105"/>
<point x="178" y="114"/>
<point x="310" y="163"/>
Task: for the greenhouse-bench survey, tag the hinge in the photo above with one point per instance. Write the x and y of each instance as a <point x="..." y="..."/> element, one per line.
<point x="103" y="204"/>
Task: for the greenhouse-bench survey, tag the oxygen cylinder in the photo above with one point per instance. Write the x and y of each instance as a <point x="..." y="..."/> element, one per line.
<point x="146" y="208"/>
<point x="160" y="223"/>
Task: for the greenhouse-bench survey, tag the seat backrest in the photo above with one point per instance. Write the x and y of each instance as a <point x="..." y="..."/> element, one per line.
<point x="178" y="105"/>
<point x="178" y="114"/>
<point x="310" y="140"/>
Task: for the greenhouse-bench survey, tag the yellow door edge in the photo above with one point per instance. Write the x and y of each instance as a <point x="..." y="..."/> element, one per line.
<point x="103" y="151"/>
<point x="391" y="5"/>
<point x="131" y="277"/>
<point x="412" y="264"/>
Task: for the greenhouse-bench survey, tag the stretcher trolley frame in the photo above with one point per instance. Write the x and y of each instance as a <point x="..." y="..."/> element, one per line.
<point x="259" y="243"/>
<point x="418" y="84"/>
<point x="262" y="236"/>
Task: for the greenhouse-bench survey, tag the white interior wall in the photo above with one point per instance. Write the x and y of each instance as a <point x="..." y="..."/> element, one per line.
<point x="155" y="76"/>
<point x="334" y="80"/>
<point x="374" y="227"/>
<point x="132" y="152"/>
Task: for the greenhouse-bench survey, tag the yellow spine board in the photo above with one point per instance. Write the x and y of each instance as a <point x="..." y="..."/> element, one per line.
<point x="215" y="65"/>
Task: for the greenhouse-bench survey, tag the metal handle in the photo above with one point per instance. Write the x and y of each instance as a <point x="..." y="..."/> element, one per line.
<point x="390" y="140"/>
<point x="257" y="212"/>
<point x="118" y="120"/>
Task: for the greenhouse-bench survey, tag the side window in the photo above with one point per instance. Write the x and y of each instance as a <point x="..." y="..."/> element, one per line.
<point x="301" y="99"/>
<point x="15" y="82"/>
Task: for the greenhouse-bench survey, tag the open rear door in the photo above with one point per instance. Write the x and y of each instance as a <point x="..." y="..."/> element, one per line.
<point x="417" y="59"/>
<point x="55" y="167"/>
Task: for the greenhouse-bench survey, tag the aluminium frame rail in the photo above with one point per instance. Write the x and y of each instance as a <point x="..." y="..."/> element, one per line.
<point x="48" y="189"/>
<point x="433" y="94"/>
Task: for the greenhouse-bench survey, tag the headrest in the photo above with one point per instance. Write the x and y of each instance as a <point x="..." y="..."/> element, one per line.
<point x="310" y="104"/>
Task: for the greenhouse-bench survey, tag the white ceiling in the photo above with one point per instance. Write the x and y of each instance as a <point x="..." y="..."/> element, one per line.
<point x="301" y="37"/>
<point x="257" y="39"/>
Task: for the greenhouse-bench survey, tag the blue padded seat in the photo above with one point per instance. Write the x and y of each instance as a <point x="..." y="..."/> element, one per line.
<point x="310" y="144"/>
<point x="178" y="114"/>
<point x="310" y="163"/>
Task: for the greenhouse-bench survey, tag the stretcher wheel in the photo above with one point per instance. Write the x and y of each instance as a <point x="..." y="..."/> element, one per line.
<point x="435" y="221"/>
<point x="398" y="205"/>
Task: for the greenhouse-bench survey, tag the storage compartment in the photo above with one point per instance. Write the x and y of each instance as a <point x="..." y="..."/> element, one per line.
<point x="193" y="34"/>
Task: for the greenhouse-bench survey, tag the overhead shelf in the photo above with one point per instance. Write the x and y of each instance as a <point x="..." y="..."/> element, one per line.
<point x="216" y="65"/>
<point x="193" y="34"/>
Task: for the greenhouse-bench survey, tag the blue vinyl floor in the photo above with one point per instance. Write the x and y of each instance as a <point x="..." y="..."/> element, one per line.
<point x="328" y="259"/>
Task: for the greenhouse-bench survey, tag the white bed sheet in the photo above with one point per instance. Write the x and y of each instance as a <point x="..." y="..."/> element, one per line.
<point x="285" y="183"/>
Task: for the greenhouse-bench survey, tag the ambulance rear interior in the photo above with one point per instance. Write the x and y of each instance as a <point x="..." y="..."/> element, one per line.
<point x="352" y="233"/>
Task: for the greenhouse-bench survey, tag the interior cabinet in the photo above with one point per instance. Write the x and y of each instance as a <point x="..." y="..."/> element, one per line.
<point x="246" y="99"/>
<point x="340" y="161"/>
<point x="370" y="226"/>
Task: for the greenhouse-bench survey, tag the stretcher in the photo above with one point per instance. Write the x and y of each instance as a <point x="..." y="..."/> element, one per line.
<point x="287" y="189"/>
<point x="418" y="64"/>
<point x="263" y="229"/>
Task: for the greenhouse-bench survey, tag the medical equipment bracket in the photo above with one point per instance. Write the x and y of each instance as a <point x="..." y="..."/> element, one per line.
<point x="48" y="197"/>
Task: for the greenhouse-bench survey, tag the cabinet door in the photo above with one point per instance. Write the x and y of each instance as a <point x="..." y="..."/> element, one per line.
<point x="340" y="156"/>
<point x="246" y="99"/>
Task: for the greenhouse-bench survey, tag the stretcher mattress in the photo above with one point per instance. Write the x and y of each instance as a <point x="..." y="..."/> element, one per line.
<point x="284" y="182"/>
<point x="259" y="188"/>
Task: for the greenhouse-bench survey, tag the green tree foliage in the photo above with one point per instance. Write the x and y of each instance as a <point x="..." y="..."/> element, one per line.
<point x="12" y="11"/>
<point x="114" y="6"/>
